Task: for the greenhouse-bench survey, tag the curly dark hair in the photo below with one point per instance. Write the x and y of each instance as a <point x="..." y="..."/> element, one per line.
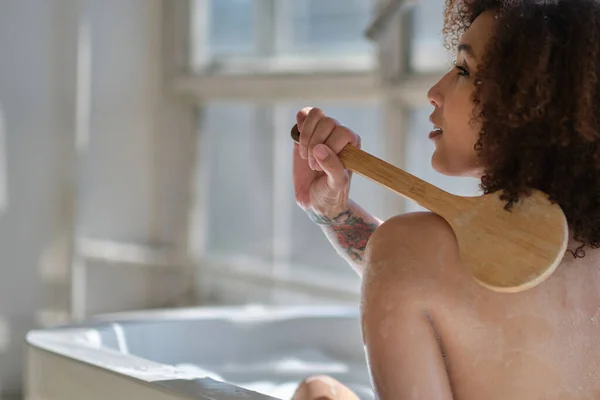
<point x="537" y="97"/>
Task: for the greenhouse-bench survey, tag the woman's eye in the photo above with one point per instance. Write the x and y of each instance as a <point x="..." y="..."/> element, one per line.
<point x="462" y="71"/>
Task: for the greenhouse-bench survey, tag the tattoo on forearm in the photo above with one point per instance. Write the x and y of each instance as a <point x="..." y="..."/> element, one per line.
<point x="352" y="231"/>
<point x="321" y="219"/>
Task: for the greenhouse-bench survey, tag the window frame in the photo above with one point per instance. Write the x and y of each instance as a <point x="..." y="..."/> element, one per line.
<point x="389" y="81"/>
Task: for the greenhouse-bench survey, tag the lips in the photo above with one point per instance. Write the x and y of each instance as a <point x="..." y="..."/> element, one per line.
<point x="437" y="131"/>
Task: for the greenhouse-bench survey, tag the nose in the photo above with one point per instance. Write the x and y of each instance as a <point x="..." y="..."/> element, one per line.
<point x="435" y="96"/>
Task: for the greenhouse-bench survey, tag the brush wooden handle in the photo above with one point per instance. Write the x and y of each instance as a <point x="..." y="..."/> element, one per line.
<point x="506" y="251"/>
<point x="393" y="178"/>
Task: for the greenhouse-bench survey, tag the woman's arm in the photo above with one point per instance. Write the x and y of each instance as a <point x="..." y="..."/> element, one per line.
<point x="348" y="232"/>
<point x="322" y="185"/>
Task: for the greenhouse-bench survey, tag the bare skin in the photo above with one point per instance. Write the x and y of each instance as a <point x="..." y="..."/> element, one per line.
<point x="349" y="232"/>
<point x="323" y="387"/>
<point x="431" y="331"/>
<point x="321" y="185"/>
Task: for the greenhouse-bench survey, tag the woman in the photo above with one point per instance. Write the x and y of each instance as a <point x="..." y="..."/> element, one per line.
<point x="520" y="109"/>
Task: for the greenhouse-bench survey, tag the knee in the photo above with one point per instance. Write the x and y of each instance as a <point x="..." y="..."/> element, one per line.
<point x="322" y="387"/>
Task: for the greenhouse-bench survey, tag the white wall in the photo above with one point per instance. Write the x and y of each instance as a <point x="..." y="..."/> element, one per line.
<point x="37" y="127"/>
<point x="121" y="197"/>
<point x="134" y="170"/>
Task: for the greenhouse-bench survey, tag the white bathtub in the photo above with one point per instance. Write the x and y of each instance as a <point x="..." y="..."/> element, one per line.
<point x="201" y="353"/>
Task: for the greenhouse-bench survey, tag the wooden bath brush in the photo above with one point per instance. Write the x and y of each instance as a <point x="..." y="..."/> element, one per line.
<point x="505" y="251"/>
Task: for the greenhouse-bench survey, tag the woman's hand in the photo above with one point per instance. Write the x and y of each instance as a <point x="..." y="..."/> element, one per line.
<point x="321" y="182"/>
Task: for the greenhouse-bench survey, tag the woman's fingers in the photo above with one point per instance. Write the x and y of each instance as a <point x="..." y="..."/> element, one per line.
<point x="323" y="130"/>
<point x="317" y="128"/>
<point x="328" y="162"/>
<point x="313" y="116"/>
<point x="340" y="137"/>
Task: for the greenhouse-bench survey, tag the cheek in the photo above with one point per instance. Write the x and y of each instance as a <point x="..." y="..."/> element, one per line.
<point x="462" y="130"/>
<point x="455" y="153"/>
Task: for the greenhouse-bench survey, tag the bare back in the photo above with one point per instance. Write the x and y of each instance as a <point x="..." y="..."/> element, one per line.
<point x="543" y="343"/>
<point x="540" y="344"/>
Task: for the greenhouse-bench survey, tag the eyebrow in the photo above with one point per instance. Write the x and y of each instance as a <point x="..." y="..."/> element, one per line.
<point x="467" y="49"/>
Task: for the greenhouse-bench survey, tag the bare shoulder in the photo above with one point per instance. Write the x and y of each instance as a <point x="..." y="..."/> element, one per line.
<point x="416" y="251"/>
<point x="408" y="261"/>
<point x="415" y="223"/>
<point x="413" y="237"/>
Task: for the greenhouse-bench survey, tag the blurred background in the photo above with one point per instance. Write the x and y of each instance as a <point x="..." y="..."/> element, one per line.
<point x="145" y="157"/>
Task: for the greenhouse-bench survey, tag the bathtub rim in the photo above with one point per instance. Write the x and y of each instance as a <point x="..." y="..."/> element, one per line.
<point x="57" y="340"/>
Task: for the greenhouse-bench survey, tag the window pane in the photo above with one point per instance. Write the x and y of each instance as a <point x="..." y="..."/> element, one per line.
<point x="237" y="149"/>
<point x="332" y="25"/>
<point x="230" y="27"/>
<point x="232" y="30"/>
<point x="426" y="53"/>
<point x="418" y="159"/>
<point x="310" y="246"/>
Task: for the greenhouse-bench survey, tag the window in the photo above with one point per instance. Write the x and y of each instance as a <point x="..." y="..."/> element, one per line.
<point x="280" y="34"/>
<point x="426" y="52"/>
<point x="250" y="222"/>
<point x="254" y="64"/>
<point x="319" y="26"/>
<point x="230" y="27"/>
<point x="238" y="153"/>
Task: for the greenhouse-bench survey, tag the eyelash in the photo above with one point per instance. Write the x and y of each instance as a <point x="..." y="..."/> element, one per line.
<point x="462" y="70"/>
